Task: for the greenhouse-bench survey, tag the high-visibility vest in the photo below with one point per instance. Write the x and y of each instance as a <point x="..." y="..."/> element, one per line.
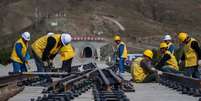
<point x="14" y="55"/>
<point x="39" y="45"/>
<point x="191" y="58"/>
<point x="125" y="52"/>
<point x="172" y="62"/>
<point x="67" y="52"/>
<point x="137" y="72"/>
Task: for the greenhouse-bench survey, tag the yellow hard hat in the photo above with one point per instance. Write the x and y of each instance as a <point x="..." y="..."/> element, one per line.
<point x="148" y="53"/>
<point x="117" y="37"/>
<point x="182" y="36"/>
<point x="163" y="45"/>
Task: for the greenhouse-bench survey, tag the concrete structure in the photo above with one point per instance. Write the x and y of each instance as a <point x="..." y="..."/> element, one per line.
<point x="88" y="46"/>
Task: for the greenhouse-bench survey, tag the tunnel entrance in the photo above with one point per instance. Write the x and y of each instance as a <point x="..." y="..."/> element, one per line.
<point x="87" y="52"/>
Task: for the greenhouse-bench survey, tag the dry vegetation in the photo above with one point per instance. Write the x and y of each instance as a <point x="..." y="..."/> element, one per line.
<point x="141" y="18"/>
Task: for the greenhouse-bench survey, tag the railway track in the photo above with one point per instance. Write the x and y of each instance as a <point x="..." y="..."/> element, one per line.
<point x="15" y="82"/>
<point x="183" y="84"/>
<point x="105" y="84"/>
<point x="108" y="86"/>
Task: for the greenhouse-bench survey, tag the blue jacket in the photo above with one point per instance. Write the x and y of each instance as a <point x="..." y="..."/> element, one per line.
<point x="172" y="48"/>
<point x="120" y="50"/>
<point x="18" y="49"/>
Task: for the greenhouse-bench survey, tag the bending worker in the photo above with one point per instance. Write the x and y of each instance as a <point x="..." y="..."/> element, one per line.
<point x="168" y="62"/>
<point x="142" y="70"/>
<point x="20" y="54"/>
<point x="168" y="40"/>
<point x="67" y="53"/>
<point x="121" y="54"/>
<point x="191" y="56"/>
<point x="46" y="48"/>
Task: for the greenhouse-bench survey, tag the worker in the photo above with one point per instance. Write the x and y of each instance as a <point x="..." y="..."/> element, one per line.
<point x="191" y="55"/>
<point x="168" y="62"/>
<point x="46" y="48"/>
<point x="168" y="40"/>
<point x="121" y="54"/>
<point x="142" y="70"/>
<point x="20" y="54"/>
<point x="66" y="54"/>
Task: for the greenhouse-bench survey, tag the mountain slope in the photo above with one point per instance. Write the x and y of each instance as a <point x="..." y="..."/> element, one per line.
<point x="140" y="18"/>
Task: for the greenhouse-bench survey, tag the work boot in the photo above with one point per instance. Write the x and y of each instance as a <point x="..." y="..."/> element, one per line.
<point x="127" y="86"/>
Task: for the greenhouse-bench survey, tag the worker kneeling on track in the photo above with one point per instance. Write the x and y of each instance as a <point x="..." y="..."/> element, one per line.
<point x="168" y="62"/>
<point x="20" y="54"/>
<point x="142" y="70"/>
<point x="191" y="56"/>
<point x="67" y="53"/>
<point x="46" y="48"/>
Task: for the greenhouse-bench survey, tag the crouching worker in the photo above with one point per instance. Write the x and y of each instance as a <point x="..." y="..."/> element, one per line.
<point x="67" y="53"/>
<point x="46" y="48"/>
<point x="168" y="62"/>
<point x="20" y="54"/>
<point x="191" y="57"/>
<point x="142" y="70"/>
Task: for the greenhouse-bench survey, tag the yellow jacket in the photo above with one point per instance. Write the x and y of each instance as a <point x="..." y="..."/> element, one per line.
<point x="125" y="52"/>
<point x="191" y="58"/>
<point x="172" y="62"/>
<point x="14" y="55"/>
<point x="67" y="52"/>
<point x="137" y="72"/>
<point x="39" y="45"/>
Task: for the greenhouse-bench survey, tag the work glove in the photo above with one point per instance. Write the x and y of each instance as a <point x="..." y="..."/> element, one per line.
<point x="51" y="63"/>
<point x="23" y="60"/>
<point x="159" y="72"/>
<point x="199" y="62"/>
<point x="28" y="65"/>
<point x="181" y="63"/>
<point x="45" y="63"/>
<point x="117" y="59"/>
<point x="81" y="69"/>
<point x="153" y="69"/>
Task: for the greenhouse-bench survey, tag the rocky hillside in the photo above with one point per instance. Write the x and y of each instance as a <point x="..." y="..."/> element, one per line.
<point x="136" y="20"/>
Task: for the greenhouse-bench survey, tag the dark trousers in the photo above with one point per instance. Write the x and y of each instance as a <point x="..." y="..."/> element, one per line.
<point x="40" y="66"/>
<point x="192" y="72"/>
<point x="169" y="69"/>
<point x="150" y="78"/>
<point x="66" y="65"/>
<point x="19" y="67"/>
<point x="39" y="63"/>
